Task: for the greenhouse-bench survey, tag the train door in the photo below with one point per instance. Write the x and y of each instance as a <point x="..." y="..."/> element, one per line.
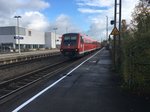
<point x="81" y="44"/>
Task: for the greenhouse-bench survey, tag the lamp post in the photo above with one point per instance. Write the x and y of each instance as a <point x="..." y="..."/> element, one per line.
<point x="55" y="34"/>
<point x="17" y="17"/>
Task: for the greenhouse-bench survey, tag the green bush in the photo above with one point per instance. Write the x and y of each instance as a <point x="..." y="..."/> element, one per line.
<point x="136" y="62"/>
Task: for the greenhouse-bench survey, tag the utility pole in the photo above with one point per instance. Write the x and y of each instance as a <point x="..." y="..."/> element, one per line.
<point x="107" y="28"/>
<point x="120" y="7"/>
<point x="17" y="17"/>
<point x="117" y="38"/>
<point x="114" y="49"/>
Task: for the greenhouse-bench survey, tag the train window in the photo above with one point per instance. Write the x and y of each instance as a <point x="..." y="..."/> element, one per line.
<point x="81" y="39"/>
<point x="73" y="38"/>
<point x="66" y="38"/>
<point x="70" y="40"/>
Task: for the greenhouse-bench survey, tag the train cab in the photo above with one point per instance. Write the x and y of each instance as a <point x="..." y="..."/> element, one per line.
<point x="69" y="44"/>
<point x="76" y="45"/>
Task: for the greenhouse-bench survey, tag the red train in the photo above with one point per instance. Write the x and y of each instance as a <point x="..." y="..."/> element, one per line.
<point x="76" y="44"/>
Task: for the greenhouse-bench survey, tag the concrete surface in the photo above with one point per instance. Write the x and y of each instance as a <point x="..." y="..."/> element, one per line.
<point x="93" y="87"/>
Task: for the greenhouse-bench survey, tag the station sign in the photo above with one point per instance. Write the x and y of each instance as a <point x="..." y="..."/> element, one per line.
<point x="18" y="37"/>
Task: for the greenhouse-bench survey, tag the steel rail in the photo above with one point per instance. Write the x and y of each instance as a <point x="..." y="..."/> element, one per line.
<point x="17" y="84"/>
<point x="11" y="86"/>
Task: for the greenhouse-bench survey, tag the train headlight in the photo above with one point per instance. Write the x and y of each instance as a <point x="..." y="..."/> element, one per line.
<point x="61" y="50"/>
<point x="76" y="49"/>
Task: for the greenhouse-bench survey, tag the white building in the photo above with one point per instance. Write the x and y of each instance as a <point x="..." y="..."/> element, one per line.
<point x="52" y="40"/>
<point x="29" y="39"/>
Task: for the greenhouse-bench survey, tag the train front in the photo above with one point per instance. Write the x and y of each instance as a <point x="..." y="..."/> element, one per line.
<point x="69" y="45"/>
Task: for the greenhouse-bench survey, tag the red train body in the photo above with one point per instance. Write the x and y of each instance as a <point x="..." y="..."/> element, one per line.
<point x="76" y="44"/>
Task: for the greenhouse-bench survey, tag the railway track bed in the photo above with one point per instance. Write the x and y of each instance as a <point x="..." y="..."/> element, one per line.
<point x="17" y="69"/>
<point x="16" y="86"/>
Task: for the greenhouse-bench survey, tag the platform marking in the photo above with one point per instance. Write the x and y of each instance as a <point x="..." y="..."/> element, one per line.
<point x="50" y="86"/>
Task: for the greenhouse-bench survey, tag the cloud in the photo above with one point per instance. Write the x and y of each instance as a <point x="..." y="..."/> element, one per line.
<point x="64" y="24"/>
<point x="94" y="3"/>
<point x="97" y="28"/>
<point x="34" y="5"/>
<point x="9" y="8"/>
<point x="94" y="11"/>
<point x="28" y="9"/>
<point x="32" y="18"/>
<point x="35" y="20"/>
<point x="88" y="10"/>
<point x="93" y="6"/>
<point x="97" y="10"/>
<point x="127" y="9"/>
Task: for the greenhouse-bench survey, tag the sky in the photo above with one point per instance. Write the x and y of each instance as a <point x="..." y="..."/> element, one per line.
<point x="84" y="16"/>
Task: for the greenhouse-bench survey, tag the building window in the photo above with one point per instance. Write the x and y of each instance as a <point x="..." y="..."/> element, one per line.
<point x="29" y="33"/>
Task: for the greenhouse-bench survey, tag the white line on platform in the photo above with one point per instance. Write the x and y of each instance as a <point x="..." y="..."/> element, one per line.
<point x="50" y="86"/>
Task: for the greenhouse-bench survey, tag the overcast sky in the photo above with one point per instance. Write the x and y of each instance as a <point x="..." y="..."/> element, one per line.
<point x="86" y="16"/>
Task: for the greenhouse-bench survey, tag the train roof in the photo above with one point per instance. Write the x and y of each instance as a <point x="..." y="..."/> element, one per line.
<point x="71" y="33"/>
<point x="86" y="37"/>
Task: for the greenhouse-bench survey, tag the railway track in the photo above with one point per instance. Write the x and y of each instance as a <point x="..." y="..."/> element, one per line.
<point x="11" y="87"/>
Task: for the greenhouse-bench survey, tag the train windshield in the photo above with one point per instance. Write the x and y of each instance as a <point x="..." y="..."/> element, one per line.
<point x="70" y="40"/>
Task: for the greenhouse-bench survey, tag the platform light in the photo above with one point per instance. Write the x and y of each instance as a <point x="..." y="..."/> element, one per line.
<point x="55" y="34"/>
<point x="17" y="17"/>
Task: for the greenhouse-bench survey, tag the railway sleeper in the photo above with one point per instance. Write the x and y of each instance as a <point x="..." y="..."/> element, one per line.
<point x="4" y="91"/>
<point x="35" y="76"/>
<point x="11" y="87"/>
<point x="19" y="84"/>
<point x="39" y="74"/>
<point x="27" y="80"/>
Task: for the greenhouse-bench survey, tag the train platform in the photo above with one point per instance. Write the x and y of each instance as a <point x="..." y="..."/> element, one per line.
<point x="89" y="87"/>
<point x="15" y="57"/>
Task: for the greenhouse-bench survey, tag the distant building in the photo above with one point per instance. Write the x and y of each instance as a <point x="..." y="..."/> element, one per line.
<point x="29" y="39"/>
<point x="52" y="40"/>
